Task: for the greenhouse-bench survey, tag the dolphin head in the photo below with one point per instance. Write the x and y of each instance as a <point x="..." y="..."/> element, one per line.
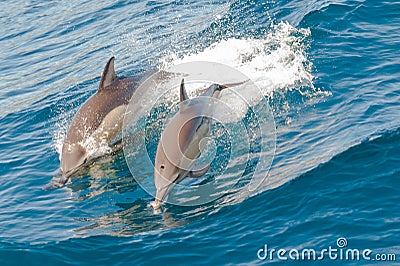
<point x="166" y="175"/>
<point x="72" y="157"/>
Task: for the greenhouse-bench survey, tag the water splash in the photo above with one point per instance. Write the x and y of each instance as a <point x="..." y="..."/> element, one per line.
<point x="274" y="61"/>
<point x="60" y="132"/>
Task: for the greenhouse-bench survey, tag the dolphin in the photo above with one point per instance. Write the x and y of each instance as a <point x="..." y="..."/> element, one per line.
<point x="98" y="121"/>
<point x="180" y="141"/>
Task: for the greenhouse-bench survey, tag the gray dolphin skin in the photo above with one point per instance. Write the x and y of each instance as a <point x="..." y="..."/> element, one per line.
<point x="180" y="141"/>
<point x="99" y="120"/>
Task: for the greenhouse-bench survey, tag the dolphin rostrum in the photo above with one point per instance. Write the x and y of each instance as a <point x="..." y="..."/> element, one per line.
<point x="180" y="141"/>
<point x="98" y="121"/>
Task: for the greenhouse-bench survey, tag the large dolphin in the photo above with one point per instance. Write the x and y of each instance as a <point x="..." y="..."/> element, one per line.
<point x="179" y="144"/>
<point x="98" y="120"/>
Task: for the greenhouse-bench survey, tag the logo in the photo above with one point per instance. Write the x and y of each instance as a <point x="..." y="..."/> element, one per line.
<point x="341" y="253"/>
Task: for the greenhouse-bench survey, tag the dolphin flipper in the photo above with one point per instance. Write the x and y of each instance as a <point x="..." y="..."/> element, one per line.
<point x="199" y="172"/>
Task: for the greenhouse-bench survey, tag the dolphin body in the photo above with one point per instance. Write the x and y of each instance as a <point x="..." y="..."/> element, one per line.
<point x="180" y="141"/>
<point x="99" y="120"/>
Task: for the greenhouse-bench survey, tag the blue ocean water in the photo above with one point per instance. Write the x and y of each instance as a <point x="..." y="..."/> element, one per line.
<point x="334" y="93"/>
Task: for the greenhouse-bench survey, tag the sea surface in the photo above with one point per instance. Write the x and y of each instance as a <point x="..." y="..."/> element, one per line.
<point x="329" y="72"/>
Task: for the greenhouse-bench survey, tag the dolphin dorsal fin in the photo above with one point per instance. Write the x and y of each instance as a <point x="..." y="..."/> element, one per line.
<point x="109" y="75"/>
<point x="183" y="94"/>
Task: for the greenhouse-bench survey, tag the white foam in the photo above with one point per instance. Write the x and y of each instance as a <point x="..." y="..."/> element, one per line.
<point x="60" y="132"/>
<point x="274" y="61"/>
<point x="94" y="147"/>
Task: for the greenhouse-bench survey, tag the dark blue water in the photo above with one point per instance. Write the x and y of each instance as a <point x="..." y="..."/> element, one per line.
<point x="335" y="95"/>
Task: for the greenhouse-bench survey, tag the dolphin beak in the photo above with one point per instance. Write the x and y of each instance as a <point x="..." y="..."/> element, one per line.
<point x="64" y="178"/>
<point x="161" y="194"/>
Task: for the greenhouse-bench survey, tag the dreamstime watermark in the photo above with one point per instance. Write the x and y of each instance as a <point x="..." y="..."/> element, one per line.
<point x="339" y="252"/>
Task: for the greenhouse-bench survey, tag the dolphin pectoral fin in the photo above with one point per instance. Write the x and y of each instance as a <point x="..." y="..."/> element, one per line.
<point x="199" y="172"/>
<point x="109" y="75"/>
<point x="204" y="126"/>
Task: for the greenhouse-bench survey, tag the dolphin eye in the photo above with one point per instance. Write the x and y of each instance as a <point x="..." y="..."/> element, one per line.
<point x="162" y="166"/>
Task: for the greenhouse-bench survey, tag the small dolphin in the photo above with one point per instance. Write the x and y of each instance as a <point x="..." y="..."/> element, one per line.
<point x="179" y="144"/>
<point x="99" y="120"/>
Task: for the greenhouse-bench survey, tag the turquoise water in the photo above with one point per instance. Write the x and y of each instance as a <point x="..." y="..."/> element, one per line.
<point x="334" y="91"/>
